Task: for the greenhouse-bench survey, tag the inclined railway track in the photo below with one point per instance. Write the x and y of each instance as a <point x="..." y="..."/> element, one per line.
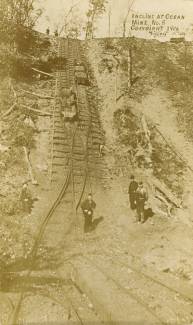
<point x="71" y="153"/>
<point x="74" y="156"/>
<point x="161" y="301"/>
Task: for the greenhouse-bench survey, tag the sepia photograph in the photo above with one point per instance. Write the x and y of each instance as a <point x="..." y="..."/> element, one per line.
<point x="96" y="162"/>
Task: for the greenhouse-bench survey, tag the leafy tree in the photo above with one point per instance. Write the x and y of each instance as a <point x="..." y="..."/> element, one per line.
<point x="17" y="38"/>
<point x="17" y="19"/>
<point x="96" y="8"/>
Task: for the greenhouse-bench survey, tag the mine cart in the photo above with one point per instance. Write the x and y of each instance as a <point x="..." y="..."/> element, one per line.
<point x="68" y="99"/>
<point x="81" y="75"/>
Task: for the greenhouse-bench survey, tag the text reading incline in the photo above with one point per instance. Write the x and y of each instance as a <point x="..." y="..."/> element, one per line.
<point x="157" y="25"/>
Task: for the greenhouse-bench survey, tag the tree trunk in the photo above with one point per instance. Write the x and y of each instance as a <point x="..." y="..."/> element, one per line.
<point x="92" y="24"/>
<point x="10" y="110"/>
<point x="42" y="72"/>
<point x="124" y="29"/>
<point x="37" y="95"/>
<point x="131" y="65"/>
<point x="33" y="180"/>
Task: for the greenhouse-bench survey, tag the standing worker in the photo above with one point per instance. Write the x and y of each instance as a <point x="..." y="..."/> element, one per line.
<point x="88" y="207"/>
<point x="101" y="149"/>
<point x="141" y="198"/>
<point x="132" y="192"/>
<point x="56" y="33"/>
<point x="48" y="31"/>
<point x="25" y="197"/>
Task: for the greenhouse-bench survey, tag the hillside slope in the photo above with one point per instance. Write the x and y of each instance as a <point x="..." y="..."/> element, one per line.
<point x="161" y="92"/>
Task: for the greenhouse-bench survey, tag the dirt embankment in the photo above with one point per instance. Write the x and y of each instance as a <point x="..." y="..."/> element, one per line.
<point x="24" y="152"/>
<point x="163" y="156"/>
<point x="146" y="108"/>
<point x="137" y="94"/>
<point x="24" y="158"/>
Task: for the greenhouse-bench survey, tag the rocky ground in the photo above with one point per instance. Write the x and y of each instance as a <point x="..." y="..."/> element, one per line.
<point x="161" y="247"/>
<point x="157" y="107"/>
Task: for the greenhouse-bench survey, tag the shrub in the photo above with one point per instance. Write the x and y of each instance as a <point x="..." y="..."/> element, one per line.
<point x="21" y="134"/>
<point x="108" y="44"/>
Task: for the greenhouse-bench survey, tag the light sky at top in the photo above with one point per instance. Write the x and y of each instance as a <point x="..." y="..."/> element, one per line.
<point x="55" y="8"/>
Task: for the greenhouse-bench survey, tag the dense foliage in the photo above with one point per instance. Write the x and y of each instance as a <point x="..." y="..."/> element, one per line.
<point x="17" y="39"/>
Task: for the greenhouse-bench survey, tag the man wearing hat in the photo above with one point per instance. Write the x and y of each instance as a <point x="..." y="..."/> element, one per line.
<point x="132" y="192"/>
<point x="88" y="207"/>
<point x="141" y="198"/>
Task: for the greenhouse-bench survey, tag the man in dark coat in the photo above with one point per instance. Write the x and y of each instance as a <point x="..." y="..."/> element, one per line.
<point x="25" y="197"/>
<point x="141" y="198"/>
<point x="88" y="207"/>
<point x="132" y="192"/>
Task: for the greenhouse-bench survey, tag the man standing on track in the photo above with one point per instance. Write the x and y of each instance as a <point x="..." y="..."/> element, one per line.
<point x="132" y="192"/>
<point x="88" y="207"/>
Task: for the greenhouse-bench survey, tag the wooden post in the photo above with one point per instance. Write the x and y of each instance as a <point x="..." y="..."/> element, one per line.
<point x="131" y="66"/>
<point x="185" y="56"/>
<point x="37" y="95"/>
<point x="124" y="29"/>
<point x="10" y="110"/>
<point x="129" y="63"/>
<point x="116" y="85"/>
<point x="37" y="111"/>
<point x="116" y="72"/>
<point x="42" y="72"/>
<point x="33" y="180"/>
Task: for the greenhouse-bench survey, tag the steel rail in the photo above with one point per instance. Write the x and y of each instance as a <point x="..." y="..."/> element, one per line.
<point x="149" y="277"/>
<point x="126" y="291"/>
<point x="14" y="317"/>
